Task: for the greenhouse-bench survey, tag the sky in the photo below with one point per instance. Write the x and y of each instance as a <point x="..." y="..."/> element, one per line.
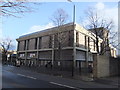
<point x="13" y="27"/>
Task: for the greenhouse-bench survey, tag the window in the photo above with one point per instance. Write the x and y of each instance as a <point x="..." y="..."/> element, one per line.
<point x="56" y="40"/>
<point x="77" y="39"/>
<point x="25" y="45"/>
<point x="36" y="40"/>
<point x="22" y="55"/>
<point x="82" y="40"/>
<point x="18" y="48"/>
<point x="28" y="44"/>
<point x="32" y="54"/>
<point x="85" y="42"/>
<point x="50" y="42"/>
<point x="39" y="42"/>
<point x="94" y="45"/>
<point x="88" y="43"/>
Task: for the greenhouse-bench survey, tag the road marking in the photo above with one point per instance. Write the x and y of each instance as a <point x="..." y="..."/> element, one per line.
<point x="62" y="85"/>
<point x="26" y="76"/>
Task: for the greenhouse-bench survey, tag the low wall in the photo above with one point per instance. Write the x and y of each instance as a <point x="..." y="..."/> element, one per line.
<point x="113" y="66"/>
<point x="102" y="66"/>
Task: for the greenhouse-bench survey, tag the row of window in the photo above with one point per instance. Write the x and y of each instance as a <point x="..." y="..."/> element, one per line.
<point x="85" y="42"/>
<point x="31" y="44"/>
<point x="61" y="39"/>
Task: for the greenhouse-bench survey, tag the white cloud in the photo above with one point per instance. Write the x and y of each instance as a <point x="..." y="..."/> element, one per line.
<point x="100" y="6"/>
<point x="36" y="28"/>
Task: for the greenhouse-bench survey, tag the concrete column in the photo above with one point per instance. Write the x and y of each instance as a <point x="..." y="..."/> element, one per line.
<point x="74" y="53"/>
<point x="26" y="51"/>
<point x="87" y="56"/>
<point x="74" y="48"/>
<point x="18" y="45"/>
<point x="37" y="50"/>
<point x="53" y="46"/>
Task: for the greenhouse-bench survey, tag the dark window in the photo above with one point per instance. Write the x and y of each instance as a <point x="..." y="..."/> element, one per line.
<point x="94" y="45"/>
<point x="77" y="38"/>
<point x="56" y="40"/>
<point x="85" y="42"/>
<point x="88" y="43"/>
<point x="39" y="42"/>
<point x="71" y="38"/>
<point x="18" y="46"/>
<point x="25" y="45"/>
<point x="28" y="44"/>
<point x="50" y="42"/>
<point x="36" y="40"/>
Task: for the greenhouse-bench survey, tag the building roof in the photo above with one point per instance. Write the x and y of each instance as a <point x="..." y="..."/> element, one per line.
<point x="65" y="27"/>
<point x="49" y="31"/>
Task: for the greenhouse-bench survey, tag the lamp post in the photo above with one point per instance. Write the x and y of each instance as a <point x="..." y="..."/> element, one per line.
<point x="73" y="11"/>
<point x="74" y="44"/>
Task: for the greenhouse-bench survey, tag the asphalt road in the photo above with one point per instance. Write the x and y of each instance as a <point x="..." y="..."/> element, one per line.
<point x="19" y="77"/>
<point x="17" y="80"/>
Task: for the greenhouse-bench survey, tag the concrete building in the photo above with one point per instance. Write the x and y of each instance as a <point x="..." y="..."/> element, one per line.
<point x="67" y="46"/>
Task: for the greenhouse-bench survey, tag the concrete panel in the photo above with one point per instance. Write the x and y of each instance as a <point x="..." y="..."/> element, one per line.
<point x="32" y="44"/>
<point x="21" y="45"/>
<point x="45" y="42"/>
<point x="102" y="66"/>
<point x="45" y="55"/>
<point x="64" y="55"/>
<point x="80" y="55"/>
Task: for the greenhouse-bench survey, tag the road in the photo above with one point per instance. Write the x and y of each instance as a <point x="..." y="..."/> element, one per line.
<point x="21" y="80"/>
<point x="19" y="77"/>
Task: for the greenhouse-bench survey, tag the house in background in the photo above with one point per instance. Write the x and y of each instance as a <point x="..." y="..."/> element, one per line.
<point x="68" y="46"/>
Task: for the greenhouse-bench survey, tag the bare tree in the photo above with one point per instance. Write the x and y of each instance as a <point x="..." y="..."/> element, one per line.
<point x="6" y="45"/>
<point x="16" y="7"/>
<point x="101" y="27"/>
<point x="59" y="18"/>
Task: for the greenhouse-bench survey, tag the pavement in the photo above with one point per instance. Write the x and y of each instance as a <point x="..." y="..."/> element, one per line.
<point x="109" y="82"/>
<point x="114" y="80"/>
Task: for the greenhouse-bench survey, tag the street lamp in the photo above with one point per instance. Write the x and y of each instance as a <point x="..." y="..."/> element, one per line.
<point x="74" y="44"/>
<point x="73" y="11"/>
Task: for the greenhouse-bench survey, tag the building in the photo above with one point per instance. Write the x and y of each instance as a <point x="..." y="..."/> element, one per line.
<point x="68" y="46"/>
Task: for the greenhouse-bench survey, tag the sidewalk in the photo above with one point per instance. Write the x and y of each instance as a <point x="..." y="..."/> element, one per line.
<point x="115" y="80"/>
<point x="65" y="74"/>
<point x="99" y="83"/>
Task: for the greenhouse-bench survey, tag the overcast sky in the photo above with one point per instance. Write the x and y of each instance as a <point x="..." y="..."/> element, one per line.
<point x="14" y="27"/>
